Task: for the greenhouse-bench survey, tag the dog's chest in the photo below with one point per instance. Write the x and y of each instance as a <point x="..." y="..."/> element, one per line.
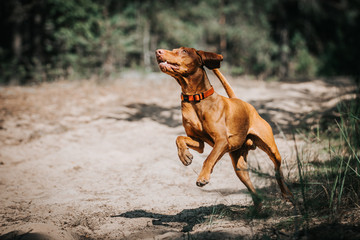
<point x="192" y="121"/>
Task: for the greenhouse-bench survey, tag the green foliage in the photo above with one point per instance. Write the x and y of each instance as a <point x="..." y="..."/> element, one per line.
<point x="305" y="64"/>
<point x="49" y="39"/>
<point x="77" y="35"/>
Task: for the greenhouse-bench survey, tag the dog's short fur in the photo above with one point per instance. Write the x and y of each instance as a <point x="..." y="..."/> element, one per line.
<point x="229" y="125"/>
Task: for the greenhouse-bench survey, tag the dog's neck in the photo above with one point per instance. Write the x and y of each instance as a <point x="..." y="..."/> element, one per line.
<point x="195" y="83"/>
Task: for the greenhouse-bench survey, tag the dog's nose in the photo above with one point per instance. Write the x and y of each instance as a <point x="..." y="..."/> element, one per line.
<point x="159" y="52"/>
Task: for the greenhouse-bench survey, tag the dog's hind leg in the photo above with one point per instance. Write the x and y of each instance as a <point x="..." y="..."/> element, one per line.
<point x="264" y="139"/>
<point x="239" y="162"/>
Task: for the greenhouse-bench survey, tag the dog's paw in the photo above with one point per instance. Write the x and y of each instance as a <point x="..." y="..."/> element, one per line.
<point x="186" y="157"/>
<point x="202" y="181"/>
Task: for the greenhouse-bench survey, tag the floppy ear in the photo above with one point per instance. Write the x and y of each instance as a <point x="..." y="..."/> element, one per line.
<point x="210" y="60"/>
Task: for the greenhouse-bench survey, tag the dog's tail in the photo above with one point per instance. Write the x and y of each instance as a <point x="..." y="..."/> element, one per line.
<point x="225" y="83"/>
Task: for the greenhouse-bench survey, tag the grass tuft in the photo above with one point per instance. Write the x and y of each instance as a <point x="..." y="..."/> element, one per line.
<point x="331" y="186"/>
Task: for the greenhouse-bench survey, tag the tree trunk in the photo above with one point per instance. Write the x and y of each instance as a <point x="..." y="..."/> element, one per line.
<point x="146" y="46"/>
<point x="38" y="48"/>
<point x="222" y="23"/>
<point x="17" y="50"/>
<point x="284" y="53"/>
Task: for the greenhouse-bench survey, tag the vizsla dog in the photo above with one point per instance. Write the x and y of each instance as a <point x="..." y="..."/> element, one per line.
<point x="229" y="125"/>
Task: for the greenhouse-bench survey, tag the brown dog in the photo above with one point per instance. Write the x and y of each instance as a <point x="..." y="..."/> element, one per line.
<point x="227" y="124"/>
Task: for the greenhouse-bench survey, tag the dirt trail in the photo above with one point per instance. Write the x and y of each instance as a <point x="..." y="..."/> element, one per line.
<point x="80" y="160"/>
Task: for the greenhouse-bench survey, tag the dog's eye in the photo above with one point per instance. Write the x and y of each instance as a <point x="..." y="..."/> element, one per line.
<point x="184" y="51"/>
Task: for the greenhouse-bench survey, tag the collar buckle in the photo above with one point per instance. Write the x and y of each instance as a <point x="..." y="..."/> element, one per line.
<point x="185" y="98"/>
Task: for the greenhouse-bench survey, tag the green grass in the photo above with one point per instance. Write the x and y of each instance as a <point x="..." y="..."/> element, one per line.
<point x="331" y="186"/>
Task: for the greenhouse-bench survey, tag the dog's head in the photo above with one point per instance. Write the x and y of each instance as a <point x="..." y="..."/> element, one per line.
<point x="186" y="61"/>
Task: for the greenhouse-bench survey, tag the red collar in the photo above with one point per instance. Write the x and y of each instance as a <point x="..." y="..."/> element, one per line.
<point x="197" y="97"/>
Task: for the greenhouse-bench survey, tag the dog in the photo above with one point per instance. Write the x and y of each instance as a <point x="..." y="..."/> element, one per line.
<point x="229" y="125"/>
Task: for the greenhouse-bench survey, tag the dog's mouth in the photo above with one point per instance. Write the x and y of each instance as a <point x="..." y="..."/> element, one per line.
<point x="167" y="66"/>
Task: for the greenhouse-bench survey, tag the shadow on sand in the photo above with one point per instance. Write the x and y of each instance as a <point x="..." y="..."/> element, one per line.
<point x="168" y="116"/>
<point x="189" y="217"/>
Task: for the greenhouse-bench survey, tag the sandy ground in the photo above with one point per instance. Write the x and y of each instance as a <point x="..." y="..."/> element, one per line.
<point x="86" y="160"/>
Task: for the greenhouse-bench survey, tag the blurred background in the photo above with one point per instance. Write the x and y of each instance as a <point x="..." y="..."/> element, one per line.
<point x="44" y="40"/>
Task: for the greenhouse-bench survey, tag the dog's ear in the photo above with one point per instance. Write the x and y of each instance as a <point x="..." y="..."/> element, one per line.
<point x="209" y="59"/>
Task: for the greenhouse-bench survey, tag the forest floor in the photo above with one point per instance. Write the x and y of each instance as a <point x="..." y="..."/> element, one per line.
<point x="89" y="160"/>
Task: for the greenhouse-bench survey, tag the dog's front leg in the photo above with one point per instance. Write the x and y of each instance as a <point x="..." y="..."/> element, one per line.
<point x="220" y="148"/>
<point x="183" y="144"/>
